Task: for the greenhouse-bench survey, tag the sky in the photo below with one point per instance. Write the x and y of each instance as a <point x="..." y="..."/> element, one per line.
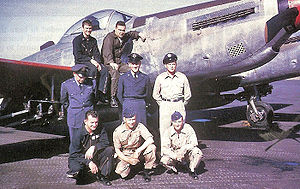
<point x="27" y="24"/>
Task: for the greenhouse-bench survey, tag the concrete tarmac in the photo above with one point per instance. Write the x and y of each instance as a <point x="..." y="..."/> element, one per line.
<point x="235" y="155"/>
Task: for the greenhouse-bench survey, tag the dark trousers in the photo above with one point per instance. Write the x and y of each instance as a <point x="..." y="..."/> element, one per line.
<point x="139" y="106"/>
<point x="73" y="132"/>
<point x="103" y="159"/>
<point x="101" y="77"/>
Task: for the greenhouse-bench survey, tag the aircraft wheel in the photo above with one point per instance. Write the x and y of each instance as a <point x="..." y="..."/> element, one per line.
<point x="265" y="110"/>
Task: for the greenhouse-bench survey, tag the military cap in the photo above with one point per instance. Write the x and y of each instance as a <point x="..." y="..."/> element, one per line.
<point x="134" y="58"/>
<point x="169" y="57"/>
<point x="128" y="113"/>
<point x="175" y="116"/>
<point x="80" y="69"/>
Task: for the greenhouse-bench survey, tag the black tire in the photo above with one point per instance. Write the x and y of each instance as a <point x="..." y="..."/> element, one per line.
<point x="265" y="110"/>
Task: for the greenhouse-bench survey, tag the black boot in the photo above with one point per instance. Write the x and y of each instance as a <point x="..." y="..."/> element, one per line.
<point x="102" y="98"/>
<point x="113" y="102"/>
<point x="104" y="180"/>
<point x="73" y="175"/>
<point x="146" y="175"/>
<point x="193" y="175"/>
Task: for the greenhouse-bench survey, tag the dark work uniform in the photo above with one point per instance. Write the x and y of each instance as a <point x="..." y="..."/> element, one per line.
<point x="111" y="52"/>
<point x="85" y="49"/>
<point x="133" y="92"/>
<point x="77" y="100"/>
<point x="103" y="154"/>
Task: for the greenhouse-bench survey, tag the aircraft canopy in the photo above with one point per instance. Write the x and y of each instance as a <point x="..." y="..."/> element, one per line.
<point x="101" y="20"/>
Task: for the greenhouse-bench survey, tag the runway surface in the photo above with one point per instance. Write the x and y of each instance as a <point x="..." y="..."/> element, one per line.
<point x="235" y="156"/>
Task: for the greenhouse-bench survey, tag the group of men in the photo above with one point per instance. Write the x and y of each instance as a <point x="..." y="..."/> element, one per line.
<point x="132" y="141"/>
<point x="104" y="67"/>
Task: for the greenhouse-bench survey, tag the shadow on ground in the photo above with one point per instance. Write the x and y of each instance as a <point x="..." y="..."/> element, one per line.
<point x="209" y="130"/>
<point x="45" y="148"/>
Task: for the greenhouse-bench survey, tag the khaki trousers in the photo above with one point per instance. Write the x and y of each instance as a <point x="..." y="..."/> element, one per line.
<point x="123" y="168"/>
<point x="193" y="157"/>
<point x="166" y="109"/>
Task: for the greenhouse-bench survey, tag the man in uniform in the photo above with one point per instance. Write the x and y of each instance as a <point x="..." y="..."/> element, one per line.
<point x="85" y="50"/>
<point x="133" y="88"/>
<point x="112" y="50"/>
<point x="77" y="96"/>
<point x="127" y="139"/>
<point x="90" y="148"/>
<point x="171" y="92"/>
<point x="181" y="146"/>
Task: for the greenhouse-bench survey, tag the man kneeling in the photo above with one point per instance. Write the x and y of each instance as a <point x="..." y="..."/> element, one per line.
<point x="129" y="147"/>
<point x="181" y="146"/>
<point x="90" y="148"/>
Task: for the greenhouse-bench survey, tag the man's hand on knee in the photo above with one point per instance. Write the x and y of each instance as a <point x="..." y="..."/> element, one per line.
<point x="89" y="153"/>
<point x="98" y="67"/>
<point x="133" y="161"/>
<point x="179" y="157"/>
<point x="96" y="64"/>
<point x="93" y="167"/>
<point x="114" y="66"/>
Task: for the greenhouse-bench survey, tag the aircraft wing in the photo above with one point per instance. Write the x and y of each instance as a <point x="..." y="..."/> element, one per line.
<point x="19" y="78"/>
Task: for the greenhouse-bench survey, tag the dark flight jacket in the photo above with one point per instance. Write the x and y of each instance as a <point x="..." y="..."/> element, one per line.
<point x="80" y="144"/>
<point x="85" y="49"/>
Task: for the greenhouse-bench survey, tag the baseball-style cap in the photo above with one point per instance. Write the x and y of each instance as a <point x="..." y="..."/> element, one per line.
<point x="128" y="113"/>
<point x="175" y="116"/>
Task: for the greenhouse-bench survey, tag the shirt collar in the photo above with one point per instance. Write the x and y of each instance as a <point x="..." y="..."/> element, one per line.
<point x="169" y="75"/>
<point x="124" y="128"/>
<point x="85" y="132"/>
<point x="77" y="82"/>
<point x="173" y="131"/>
<point x="137" y="74"/>
<point x="95" y="132"/>
<point x="116" y="37"/>
<point x="83" y="38"/>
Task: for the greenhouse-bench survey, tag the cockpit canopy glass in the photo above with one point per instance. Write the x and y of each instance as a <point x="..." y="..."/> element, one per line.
<point x="99" y="21"/>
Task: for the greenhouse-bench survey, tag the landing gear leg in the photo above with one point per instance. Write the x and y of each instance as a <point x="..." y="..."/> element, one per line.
<point x="259" y="114"/>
